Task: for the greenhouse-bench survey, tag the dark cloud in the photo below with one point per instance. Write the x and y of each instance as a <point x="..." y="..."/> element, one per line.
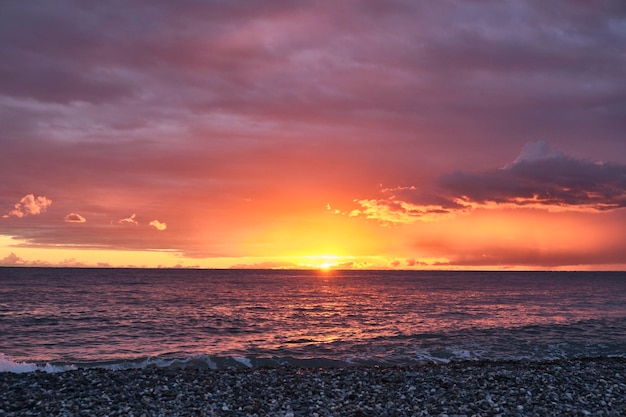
<point x="539" y="177"/>
<point x="552" y="180"/>
<point x="46" y="53"/>
<point x="321" y="61"/>
<point x="58" y="84"/>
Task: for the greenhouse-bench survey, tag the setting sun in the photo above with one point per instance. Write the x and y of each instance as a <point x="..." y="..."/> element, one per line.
<point x="325" y="262"/>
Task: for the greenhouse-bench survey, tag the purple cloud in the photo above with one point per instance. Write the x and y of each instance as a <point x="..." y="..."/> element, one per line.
<point x="541" y="177"/>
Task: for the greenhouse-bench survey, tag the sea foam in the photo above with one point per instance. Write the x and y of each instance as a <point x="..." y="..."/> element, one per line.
<point x="7" y="365"/>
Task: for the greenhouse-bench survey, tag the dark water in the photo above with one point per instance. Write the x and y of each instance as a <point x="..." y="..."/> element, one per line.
<point x="135" y="317"/>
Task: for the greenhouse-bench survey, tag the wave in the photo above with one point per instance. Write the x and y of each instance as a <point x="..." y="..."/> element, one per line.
<point x="586" y="338"/>
<point x="418" y="356"/>
<point x="193" y="362"/>
<point x="7" y="365"/>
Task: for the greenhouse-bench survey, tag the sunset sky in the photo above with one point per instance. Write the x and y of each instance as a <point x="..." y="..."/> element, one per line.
<point x="407" y="134"/>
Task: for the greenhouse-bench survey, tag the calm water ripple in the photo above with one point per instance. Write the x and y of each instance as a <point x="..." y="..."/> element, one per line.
<point x="131" y="316"/>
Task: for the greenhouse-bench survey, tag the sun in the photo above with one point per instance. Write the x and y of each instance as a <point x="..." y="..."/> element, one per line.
<point x="321" y="262"/>
<point x="325" y="266"/>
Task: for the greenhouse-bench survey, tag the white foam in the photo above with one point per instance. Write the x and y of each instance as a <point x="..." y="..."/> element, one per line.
<point x="244" y="361"/>
<point x="7" y="365"/>
<point x="207" y="359"/>
<point x="139" y="364"/>
<point x="463" y="354"/>
<point x="166" y="363"/>
<point x="425" y="356"/>
<point x="202" y="359"/>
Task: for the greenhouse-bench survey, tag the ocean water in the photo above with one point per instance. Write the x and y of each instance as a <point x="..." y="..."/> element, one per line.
<point x="56" y="319"/>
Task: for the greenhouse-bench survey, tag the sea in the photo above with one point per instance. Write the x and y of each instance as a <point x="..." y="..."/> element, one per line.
<point x="57" y="319"/>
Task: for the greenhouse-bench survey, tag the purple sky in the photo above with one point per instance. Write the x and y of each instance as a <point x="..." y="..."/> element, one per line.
<point x="387" y="131"/>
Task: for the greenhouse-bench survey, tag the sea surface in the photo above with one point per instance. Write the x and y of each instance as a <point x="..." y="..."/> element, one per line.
<point x="55" y="319"/>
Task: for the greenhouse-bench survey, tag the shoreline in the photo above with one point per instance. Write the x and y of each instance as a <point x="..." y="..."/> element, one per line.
<point x="573" y="387"/>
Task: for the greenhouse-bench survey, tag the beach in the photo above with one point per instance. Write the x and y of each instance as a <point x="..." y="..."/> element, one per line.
<point x="574" y="387"/>
<point x="356" y="343"/>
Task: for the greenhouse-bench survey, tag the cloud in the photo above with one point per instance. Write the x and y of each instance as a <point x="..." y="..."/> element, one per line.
<point x="288" y="103"/>
<point x="391" y="210"/>
<point x="540" y="178"/>
<point x="405" y="205"/>
<point x="536" y="151"/>
<point x="132" y="220"/>
<point x="74" y="218"/>
<point x="158" y="225"/>
<point x="267" y="265"/>
<point x="129" y="220"/>
<point x="29" y="205"/>
<point x="12" y="260"/>
<point x="72" y="263"/>
<point x="414" y="262"/>
<point x="534" y="257"/>
<point x="261" y="59"/>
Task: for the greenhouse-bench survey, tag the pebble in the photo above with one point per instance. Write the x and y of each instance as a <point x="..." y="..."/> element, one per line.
<point x="586" y="387"/>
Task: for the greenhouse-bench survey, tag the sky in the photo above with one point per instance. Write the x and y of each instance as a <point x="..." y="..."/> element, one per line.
<point x="486" y="134"/>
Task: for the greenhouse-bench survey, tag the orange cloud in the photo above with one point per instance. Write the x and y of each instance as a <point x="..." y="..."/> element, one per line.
<point x="158" y="225"/>
<point x="29" y="205"/>
<point x="129" y="220"/>
<point x="393" y="211"/>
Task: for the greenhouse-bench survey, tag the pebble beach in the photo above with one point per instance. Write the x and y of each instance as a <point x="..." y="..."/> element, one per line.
<point x="586" y="387"/>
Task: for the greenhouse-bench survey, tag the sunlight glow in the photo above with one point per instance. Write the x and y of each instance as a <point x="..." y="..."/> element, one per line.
<point x="325" y="262"/>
